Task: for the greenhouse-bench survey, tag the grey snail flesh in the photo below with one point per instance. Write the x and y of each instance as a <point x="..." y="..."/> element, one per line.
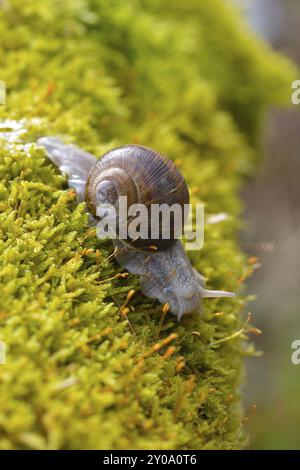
<point x="165" y="275"/>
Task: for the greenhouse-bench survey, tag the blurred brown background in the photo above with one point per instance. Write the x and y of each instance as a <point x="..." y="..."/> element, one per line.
<point x="272" y="216"/>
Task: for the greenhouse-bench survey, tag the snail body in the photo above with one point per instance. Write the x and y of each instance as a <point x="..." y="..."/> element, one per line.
<point x="144" y="177"/>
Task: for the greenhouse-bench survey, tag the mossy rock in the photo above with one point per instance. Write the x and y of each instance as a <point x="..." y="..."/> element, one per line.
<point x="189" y="80"/>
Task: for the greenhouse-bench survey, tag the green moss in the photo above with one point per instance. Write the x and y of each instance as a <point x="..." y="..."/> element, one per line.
<point x="187" y="79"/>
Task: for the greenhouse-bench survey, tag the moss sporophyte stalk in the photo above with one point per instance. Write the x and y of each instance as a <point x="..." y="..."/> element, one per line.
<point x="86" y="365"/>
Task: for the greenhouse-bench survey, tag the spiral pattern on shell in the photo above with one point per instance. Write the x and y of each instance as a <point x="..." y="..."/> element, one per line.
<point x="144" y="177"/>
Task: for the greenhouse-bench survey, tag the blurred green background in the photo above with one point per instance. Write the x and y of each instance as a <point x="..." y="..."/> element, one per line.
<point x="272" y="234"/>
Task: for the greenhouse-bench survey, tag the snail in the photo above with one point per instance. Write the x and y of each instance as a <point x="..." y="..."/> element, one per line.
<point x="144" y="177"/>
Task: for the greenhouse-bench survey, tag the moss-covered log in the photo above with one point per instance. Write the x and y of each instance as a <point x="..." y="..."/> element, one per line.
<point x="187" y="79"/>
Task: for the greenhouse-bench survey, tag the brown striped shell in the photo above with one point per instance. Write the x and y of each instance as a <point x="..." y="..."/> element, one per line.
<point x="144" y="176"/>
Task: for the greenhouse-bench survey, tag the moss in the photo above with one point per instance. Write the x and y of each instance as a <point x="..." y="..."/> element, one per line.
<point x="187" y="79"/>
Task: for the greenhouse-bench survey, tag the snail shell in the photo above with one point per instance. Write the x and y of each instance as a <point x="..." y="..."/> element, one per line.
<point x="144" y="177"/>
